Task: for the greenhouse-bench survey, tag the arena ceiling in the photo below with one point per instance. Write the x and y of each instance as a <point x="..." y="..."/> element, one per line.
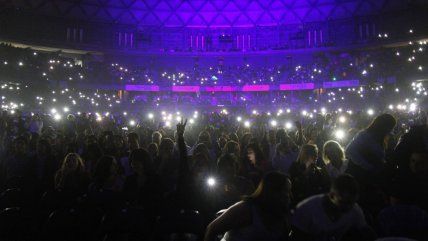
<point x="208" y="13"/>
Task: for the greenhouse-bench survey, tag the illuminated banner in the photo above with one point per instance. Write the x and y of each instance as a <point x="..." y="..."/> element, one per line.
<point x="303" y="86"/>
<point x="194" y="88"/>
<point x="221" y="88"/>
<point x="146" y="88"/>
<point x="256" y="88"/>
<point x="341" y="84"/>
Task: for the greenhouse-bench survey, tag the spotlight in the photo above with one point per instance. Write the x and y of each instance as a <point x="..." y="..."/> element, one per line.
<point x="132" y="123"/>
<point x="211" y="182"/>
<point x="57" y="117"/>
<point x="247" y="124"/>
<point x="150" y="115"/>
<point x="239" y="119"/>
<point x="342" y="119"/>
<point x="273" y="123"/>
<point x="288" y="125"/>
<point x="370" y="111"/>
<point x="339" y="134"/>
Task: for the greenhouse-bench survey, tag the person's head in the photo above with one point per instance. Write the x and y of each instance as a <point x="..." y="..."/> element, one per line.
<point x="344" y="192"/>
<point x="43" y="147"/>
<point x="271" y="136"/>
<point x="273" y="195"/>
<point x="205" y="138"/>
<point x="308" y="155"/>
<point x="281" y="137"/>
<point x="153" y="150"/>
<point x="222" y="140"/>
<point x="227" y="166"/>
<point x="232" y="147"/>
<point x="166" y="147"/>
<point x="157" y="137"/>
<point x="141" y="162"/>
<point x="20" y="145"/>
<point x="333" y="152"/>
<point x="419" y="164"/>
<point x="381" y="126"/>
<point x="106" y="171"/>
<point x="72" y="163"/>
<point x="233" y="137"/>
<point x="133" y="141"/>
<point x="254" y="154"/>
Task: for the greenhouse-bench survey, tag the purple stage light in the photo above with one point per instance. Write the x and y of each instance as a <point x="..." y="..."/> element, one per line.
<point x="145" y="88"/>
<point x="194" y="88"/>
<point x="221" y="88"/>
<point x="248" y="88"/>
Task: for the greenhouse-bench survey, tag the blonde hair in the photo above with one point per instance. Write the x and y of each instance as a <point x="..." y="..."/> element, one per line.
<point x="80" y="164"/>
<point x="332" y="150"/>
<point x="306" y="151"/>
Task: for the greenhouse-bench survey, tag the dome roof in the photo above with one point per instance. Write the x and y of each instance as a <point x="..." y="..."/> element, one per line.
<point x="209" y="13"/>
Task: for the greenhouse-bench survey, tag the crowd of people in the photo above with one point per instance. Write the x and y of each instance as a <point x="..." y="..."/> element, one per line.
<point x="327" y="164"/>
<point x="370" y="65"/>
<point x="302" y="182"/>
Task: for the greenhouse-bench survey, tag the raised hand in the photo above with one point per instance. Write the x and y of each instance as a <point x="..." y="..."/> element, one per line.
<point x="181" y="126"/>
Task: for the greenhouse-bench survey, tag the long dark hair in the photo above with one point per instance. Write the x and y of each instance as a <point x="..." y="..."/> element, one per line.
<point x="381" y="126"/>
<point x="272" y="196"/>
<point x="257" y="152"/>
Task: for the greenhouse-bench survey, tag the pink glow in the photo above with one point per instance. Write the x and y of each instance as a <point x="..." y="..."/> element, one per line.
<point x="202" y="41"/>
<point x="221" y="88"/>
<point x="248" y="88"/>
<point x="305" y="86"/>
<point x="190" y="88"/>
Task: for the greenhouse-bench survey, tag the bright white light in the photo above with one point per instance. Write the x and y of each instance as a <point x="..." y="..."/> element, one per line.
<point x="412" y="107"/>
<point x="57" y="117"/>
<point x="167" y="124"/>
<point x="20" y="64"/>
<point x="247" y="124"/>
<point x="211" y="181"/>
<point x="397" y="90"/>
<point x="53" y="111"/>
<point x="239" y="119"/>
<point x="254" y="112"/>
<point x="339" y="134"/>
<point x="99" y="118"/>
<point x="192" y="121"/>
<point x="178" y="118"/>
<point x="304" y="112"/>
<point x="288" y="125"/>
<point x="420" y="68"/>
<point x="273" y="123"/>
<point x="132" y="123"/>
<point x="150" y="115"/>
<point x="124" y="113"/>
<point x="391" y="107"/>
<point x="66" y="109"/>
<point x="370" y="111"/>
<point x="342" y="119"/>
<point x="323" y="110"/>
